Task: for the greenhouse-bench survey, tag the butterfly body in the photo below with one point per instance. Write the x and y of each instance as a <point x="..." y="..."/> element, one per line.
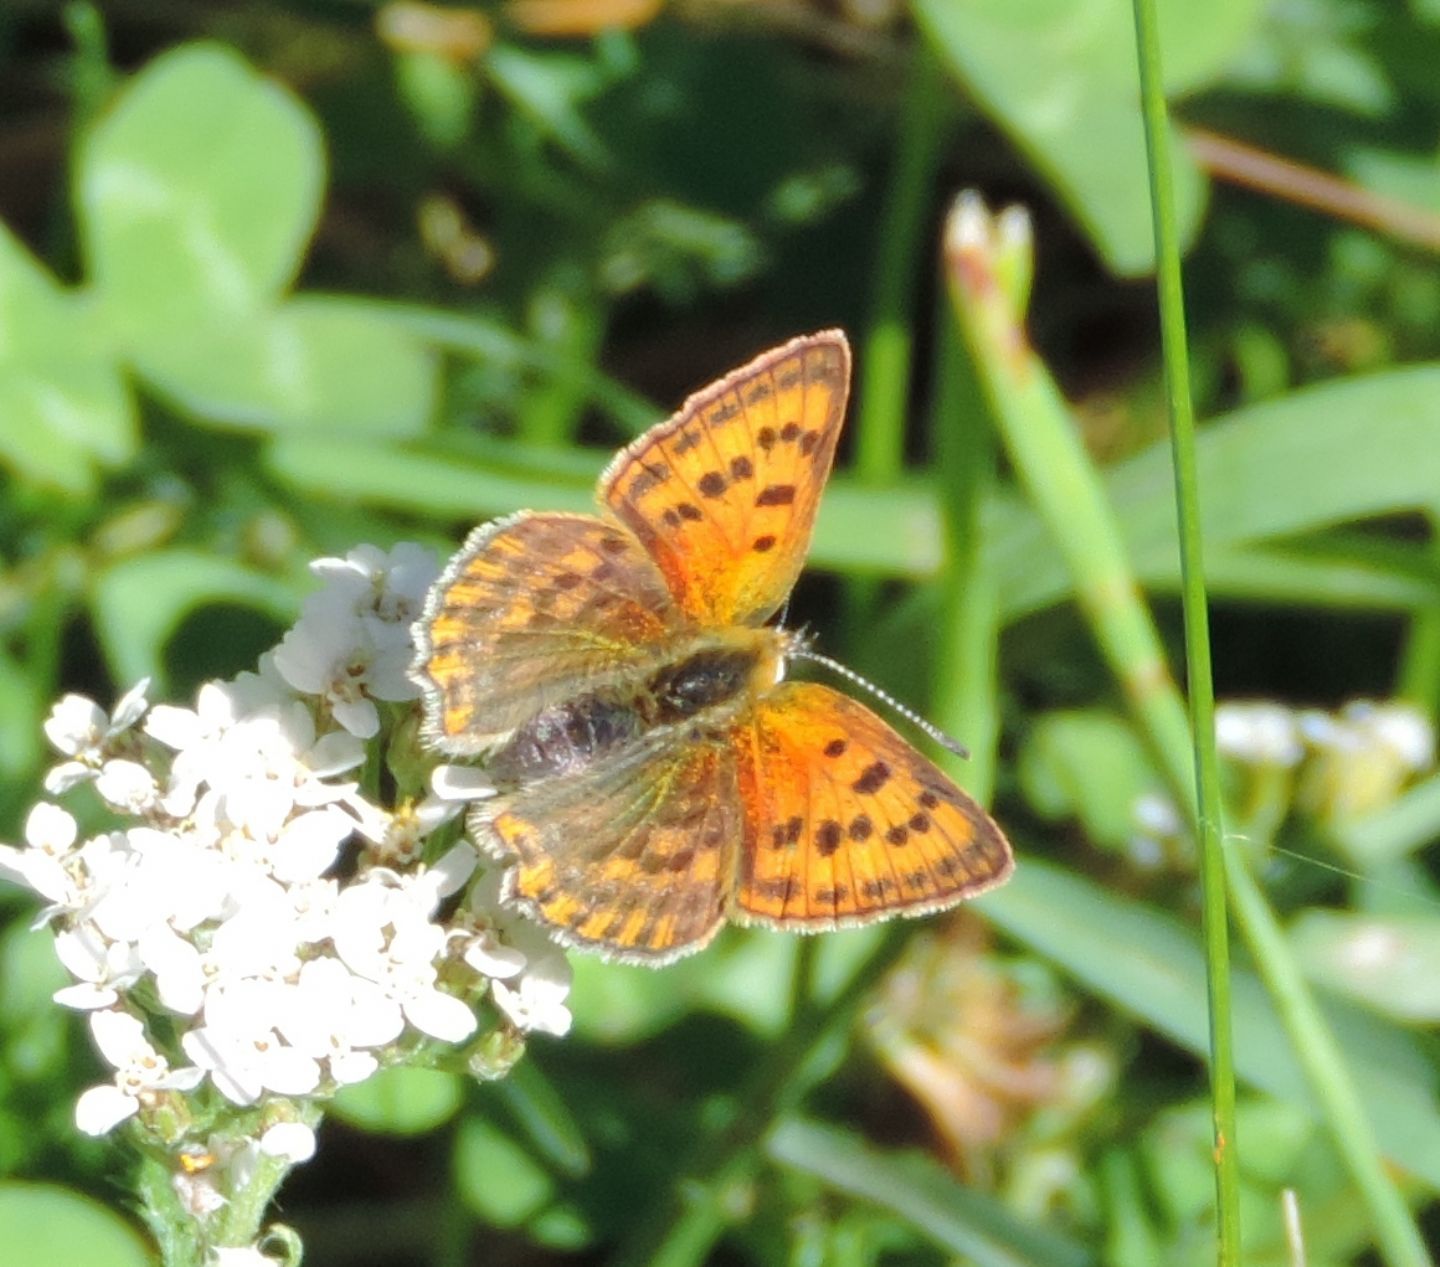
<point x="655" y="775"/>
<point x="700" y="692"/>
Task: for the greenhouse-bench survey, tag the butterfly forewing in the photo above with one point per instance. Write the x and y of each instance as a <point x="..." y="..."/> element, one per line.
<point x="534" y="610"/>
<point x="724" y="494"/>
<point x="847" y="823"/>
<point x="633" y="857"/>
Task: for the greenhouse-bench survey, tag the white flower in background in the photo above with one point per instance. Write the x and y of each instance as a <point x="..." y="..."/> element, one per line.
<point x="1259" y="733"/>
<point x="1363" y="756"/>
<point x="81" y="730"/>
<point x="140" y="1072"/>
<point x="1401" y="728"/>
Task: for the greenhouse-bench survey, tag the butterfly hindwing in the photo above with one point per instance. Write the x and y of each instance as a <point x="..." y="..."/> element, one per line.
<point x="724" y="494"/>
<point x="847" y="822"/>
<point x="534" y="610"/>
<point x="633" y="856"/>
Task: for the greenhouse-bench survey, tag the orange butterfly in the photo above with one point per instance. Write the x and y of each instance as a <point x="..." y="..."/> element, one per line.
<point x="656" y="776"/>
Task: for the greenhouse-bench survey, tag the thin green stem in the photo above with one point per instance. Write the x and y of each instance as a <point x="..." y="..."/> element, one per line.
<point x="887" y="349"/>
<point x="1199" y="680"/>
<point x="964" y="694"/>
<point x="1068" y="494"/>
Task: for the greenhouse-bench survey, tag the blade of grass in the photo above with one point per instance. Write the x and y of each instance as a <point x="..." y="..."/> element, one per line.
<point x="963" y="1220"/>
<point x="1068" y="496"/>
<point x="1398" y="1237"/>
<point x="1200" y="682"/>
<point x="887" y="349"/>
<point x="886" y="353"/>
<point x="965" y="687"/>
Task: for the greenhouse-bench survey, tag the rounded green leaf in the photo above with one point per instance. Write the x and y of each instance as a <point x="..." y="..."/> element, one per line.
<point x="400" y="1101"/>
<point x="64" y="406"/>
<point x="197" y="193"/>
<point x="497" y="1178"/>
<point x="320" y="364"/>
<point x="42" y="1225"/>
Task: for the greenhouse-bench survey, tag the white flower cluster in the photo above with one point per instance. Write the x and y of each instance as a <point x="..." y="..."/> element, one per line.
<point x="1335" y="765"/>
<point x="235" y="907"/>
<point x="1260" y="732"/>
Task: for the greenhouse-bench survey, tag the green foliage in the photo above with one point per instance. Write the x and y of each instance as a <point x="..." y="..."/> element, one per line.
<point x="233" y="341"/>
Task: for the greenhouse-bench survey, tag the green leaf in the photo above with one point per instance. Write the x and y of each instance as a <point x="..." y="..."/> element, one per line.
<point x="139" y="603"/>
<point x="43" y="1224"/>
<point x="961" y="1219"/>
<point x="442" y="486"/>
<point x="401" y="1101"/>
<point x="197" y="193"/>
<point x="317" y="363"/>
<point x="64" y="406"/>
<point x="1087" y="765"/>
<point x="22" y="706"/>
<point x="1149" y="965"/>
<point x="497" y="1178"/>
<point x="1059" y="76"/>
<point x="1390" y="963"/>
<point x="1324" y="455"/>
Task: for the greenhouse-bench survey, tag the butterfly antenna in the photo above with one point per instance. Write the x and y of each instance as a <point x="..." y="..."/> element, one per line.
<point x="865" y="684"/>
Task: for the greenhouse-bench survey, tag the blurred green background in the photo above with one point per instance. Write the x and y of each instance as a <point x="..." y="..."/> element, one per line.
<point x="276" y="280"/>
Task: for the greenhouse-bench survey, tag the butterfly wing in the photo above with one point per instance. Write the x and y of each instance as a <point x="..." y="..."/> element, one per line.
<point x="724" y="494"/>
<point x="535" y="609"/>
<point x="632" y="857"/>
<point x="847" y="823"/>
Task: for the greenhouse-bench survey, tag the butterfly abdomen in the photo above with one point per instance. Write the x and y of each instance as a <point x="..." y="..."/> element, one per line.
<point x="566" y="738"/>
<point x="706" y="685"/>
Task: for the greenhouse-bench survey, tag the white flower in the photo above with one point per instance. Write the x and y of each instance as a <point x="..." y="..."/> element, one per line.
<point x="1401" y="728"/>
<point x="461" y="783"/>
<point x="101" y="967"/>
<point x="294" y="1141"/>
<point x="536" y="999"/>
<point x="399" y="838"/>
<point x="127" y="786"/>
<point x="387" y="588"/>
<point x="336" y="1017"/>
<point x="533" y="994"/>
<point x="140" y="1072"/>
<point x="80" y="729"/>
<point x="1258" y="733"/>
<point x="239" y="1048"/>
<point x="49" y="837"/>
<point x="351" y="645"/>
<point x="240" y="1256"/>
<point x="383" y="934"/>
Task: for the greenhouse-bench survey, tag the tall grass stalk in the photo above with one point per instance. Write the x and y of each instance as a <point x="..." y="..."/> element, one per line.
<point x="1315" y="1046"/>
<point x="1209" y="809"/>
